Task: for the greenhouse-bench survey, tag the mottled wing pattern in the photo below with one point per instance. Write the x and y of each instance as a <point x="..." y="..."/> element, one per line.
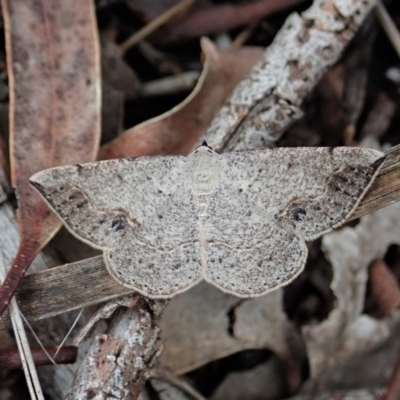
<point x="100" y="202"/>
<point x="268" y="202"/>
<point x="352" y="172"/>
<point x="162" y="257"/>
<point x="248" y="252"/>
<point x="140" y="211"/>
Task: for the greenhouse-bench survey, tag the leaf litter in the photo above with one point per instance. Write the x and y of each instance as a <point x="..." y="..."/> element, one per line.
<point x="54" y="115"/>
<point x="204" y="327"/>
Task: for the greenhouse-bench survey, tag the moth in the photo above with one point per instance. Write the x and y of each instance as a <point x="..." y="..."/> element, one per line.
<point x="239" y="220"/>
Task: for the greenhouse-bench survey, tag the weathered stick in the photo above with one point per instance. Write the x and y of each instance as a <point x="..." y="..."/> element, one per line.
<point x="269" y="99"/>
<point x="118" y="361"/>
<point x="386" y="188"/>
<point x="72" y="286"/>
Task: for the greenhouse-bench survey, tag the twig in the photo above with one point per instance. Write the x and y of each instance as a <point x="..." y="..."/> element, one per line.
<point x="242" y="37"/>
<point x="105" y="312"/>
<point x="10" y="359"/>
<point x="269" y="99"/>
<point x="164" y="63"/>
<point x="28" y="364"/>
<point x="155" y="24"/>
<point x="388" y="25"/>
<point x="50" y="331"/>
<point x="169" y="85"/>
<point x="221" y="18"/>
<point x="58" y="290"/>
<point x="118" y="362"/>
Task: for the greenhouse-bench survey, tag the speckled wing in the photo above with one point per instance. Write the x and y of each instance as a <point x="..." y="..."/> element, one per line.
<point x="139" y="211"/>
<point x="267" y="203"/>
<point x="162" y="257"/>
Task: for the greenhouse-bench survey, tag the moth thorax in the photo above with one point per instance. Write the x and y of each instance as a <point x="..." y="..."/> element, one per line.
<point x="204" y="180"/>
<point x="202" y="201"/>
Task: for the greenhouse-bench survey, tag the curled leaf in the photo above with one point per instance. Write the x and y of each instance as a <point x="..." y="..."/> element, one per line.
<point x="53" y="66"/>
<point x="176" y="131"/>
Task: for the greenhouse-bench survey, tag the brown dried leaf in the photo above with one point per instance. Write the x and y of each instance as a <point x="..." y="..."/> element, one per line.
<point x="53" y="67"/>
<point x="176" y="131"/>
<point x="205" y="324"/>
<point x="216" y="18"/>
<point x="384" y="287"/>
<point x="347" y="331"/>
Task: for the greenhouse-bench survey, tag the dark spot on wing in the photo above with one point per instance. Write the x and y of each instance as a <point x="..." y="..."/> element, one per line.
<point x="118" y="223"/>
<point x="299" y="214"/>
<point x="82" y="204"/>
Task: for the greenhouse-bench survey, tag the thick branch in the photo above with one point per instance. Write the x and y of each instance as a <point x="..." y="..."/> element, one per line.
<point x="118" y="362"/>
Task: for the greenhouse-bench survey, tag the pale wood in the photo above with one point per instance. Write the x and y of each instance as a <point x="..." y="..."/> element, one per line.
<point x="386" y="188"/>
<point x="119" y="361"/>
<point x="86" y="282"/>
<point x="65" y="288"/>
<point x="269" y="100"/>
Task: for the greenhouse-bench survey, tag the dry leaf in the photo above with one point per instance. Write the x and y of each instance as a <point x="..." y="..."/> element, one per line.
<point x="53" y="67"/>
<point x="347" y="331"/>
<point x="176" y="131"/>
<point x="216" y="18"/>
<point x="262" y="382"/>
<point x="115" y="71"/>
<point x="165" y="391"/>
<point x="384" y="287"/>
<point x="205" y="324"/>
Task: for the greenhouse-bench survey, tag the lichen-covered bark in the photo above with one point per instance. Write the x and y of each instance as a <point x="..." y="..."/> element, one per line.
<point x="118" y="362"/>
<point x="265" y="103"/>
